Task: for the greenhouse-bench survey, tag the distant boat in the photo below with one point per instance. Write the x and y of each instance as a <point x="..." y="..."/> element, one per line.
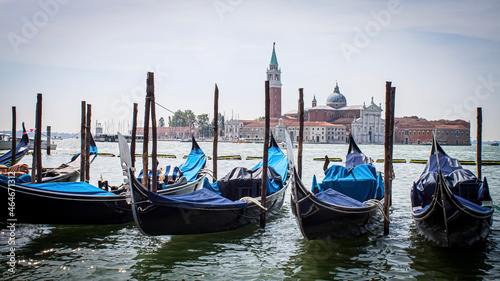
<point x="5" y="142"/>
<point x="114" y="138"/>
<point x="53" y="146"/>
<point x="494" y="144"/>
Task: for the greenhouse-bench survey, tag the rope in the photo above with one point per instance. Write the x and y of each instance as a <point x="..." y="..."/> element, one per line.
<point x="255" y="201"/>
<point x="379" y="205"/>
<point x="492" y="206"/>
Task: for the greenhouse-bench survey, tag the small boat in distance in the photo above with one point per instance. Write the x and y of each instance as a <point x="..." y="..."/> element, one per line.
<point x="5" y="142"/>
<point x="494" y="143"/>
<point x="450" y="205"/>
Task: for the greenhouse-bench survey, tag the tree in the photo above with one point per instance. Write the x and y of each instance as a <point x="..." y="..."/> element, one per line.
<point x="182" y="119"/>
<point x="161" y="122"/>
<point x="203" y="124"/>
<point x="262" y="118"/>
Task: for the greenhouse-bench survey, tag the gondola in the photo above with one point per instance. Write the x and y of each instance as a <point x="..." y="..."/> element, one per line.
<point x="21" y="149"/>
<point x="447" y="202"/>
<point x="79" y="202"/>
<point x="69" y="172"/>
<point x="346" y="204"/>
<point x="227" y="204"/>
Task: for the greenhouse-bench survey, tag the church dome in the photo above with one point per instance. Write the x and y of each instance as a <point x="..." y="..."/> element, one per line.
<point x="336" y="99"/>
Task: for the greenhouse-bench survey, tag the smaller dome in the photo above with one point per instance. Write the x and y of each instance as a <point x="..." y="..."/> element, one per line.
<point x="336" y="98"/>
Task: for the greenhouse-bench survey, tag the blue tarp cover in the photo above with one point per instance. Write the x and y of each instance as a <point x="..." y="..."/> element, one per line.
<point x="334" y="197"/>
<point x="194" y="163"/>
<point x="461" y="182"/>
<point x="361" y="183"/>
<point x="201" y="198"/>
<point x="22" y="179"/>
<point x="79" y="188"/>
<point x="277" y="160"/>
<point x="472" y="206"/>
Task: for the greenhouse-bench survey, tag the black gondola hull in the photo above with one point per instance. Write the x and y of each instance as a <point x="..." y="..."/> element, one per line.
<point x="45" y="207"/>
<point x="321" y="220"/>
<point x="162" y="220"/>
<point x="464" y="228"/>
<point x="39" y="207"/>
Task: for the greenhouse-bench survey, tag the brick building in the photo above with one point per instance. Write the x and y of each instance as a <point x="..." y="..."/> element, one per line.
<point x="419" y="131"/>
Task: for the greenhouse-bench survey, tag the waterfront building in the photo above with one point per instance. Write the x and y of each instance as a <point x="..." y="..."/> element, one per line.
<point x="414" y="130"/>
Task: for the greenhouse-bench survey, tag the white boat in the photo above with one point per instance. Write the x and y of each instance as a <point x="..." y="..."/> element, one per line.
<point x="53" y="146"/>
<point x="5" y="142"/>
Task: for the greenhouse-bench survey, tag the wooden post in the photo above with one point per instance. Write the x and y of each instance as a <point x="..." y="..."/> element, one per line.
<point x="301" y="131"/>
<point x="48" y="140"/>
<point x="145" y="150"/>
<point x="479" y="140"/>
<point x="390" y="93"/>
<point x="87" y="143"/>
<point x="263" y="191"/>
<point x="38" y="138"/>
<point x="154" y="164"/>
<point x="134" y="134"/>
<point x="216" y="130"/>
<point x="83" y="141"/>
<point x="14" y="129"/>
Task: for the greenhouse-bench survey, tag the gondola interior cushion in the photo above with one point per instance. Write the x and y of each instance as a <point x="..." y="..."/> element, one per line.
<point x="194" y="164"/>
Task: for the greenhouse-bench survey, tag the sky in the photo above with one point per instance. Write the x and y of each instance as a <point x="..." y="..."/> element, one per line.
<point x="443" y="57"/>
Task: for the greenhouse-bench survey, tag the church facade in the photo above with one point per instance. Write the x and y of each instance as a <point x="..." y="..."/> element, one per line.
<point x="329" y="123"/>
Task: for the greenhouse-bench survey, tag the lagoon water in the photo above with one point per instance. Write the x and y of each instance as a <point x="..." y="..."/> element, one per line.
<point x="278" y="252"/>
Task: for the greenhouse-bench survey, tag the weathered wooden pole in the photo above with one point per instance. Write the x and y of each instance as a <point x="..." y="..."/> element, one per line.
<point x="263" y="191"/>
<point x="301" y="131"/>
<point x="390" y="93"/>
<point x="83" y="139"/>
<point x="145" y="149"/>
<point x="14" y="129"/>
<point x="48" y="140"/>
<point x="154" y="164"/>
<point x="87" y="143"/>
<point x="216" y="131"/>
<point x="479" y="140"/>
<point x="38" y="138"/>
<point x="134" y="134"/>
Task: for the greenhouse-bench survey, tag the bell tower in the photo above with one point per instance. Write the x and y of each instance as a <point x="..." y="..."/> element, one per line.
<point x="274" y="78"/>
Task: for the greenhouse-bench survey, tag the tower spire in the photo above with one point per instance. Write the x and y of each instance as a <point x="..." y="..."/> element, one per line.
<point x="274" y="60"/>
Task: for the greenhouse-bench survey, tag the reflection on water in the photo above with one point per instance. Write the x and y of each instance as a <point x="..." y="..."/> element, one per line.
<point x="278" y="252"/>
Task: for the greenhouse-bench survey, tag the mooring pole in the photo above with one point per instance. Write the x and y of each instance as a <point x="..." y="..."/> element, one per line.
<point x="38" y="139"/>
<point x="83" y="139"/>
<point x="216" y="130"/>
<point x="301" y="131"/>
<point x="145" y="143"/>
<point x="134" y="134"/>
<point x="388" y="143"/>
<point x="49" y="139"/>
<point x="14" y="129"/>
<point x="154" y="164"/>
<point x="87" y="142"/>
<point x="263" y="191"/>
<point x="479" y="140"/>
